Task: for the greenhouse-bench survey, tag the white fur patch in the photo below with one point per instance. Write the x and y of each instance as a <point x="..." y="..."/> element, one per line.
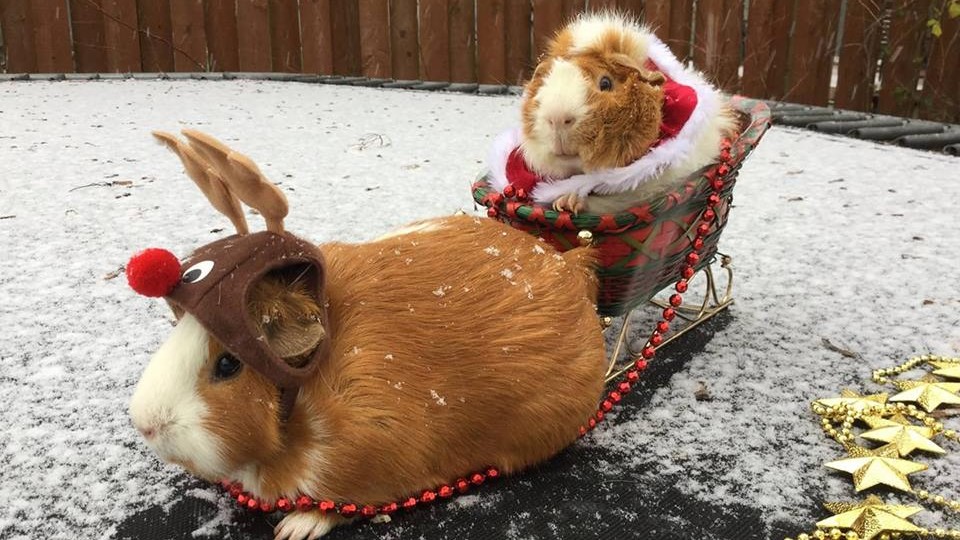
<point x="166" y="399"/>
<point x="303" y="526"/>
<point x="590" y="28"/>
<point x="418" y="227"/>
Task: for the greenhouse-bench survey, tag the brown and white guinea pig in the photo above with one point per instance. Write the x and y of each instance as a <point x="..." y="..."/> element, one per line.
<point x="595" y="106"/>
<point x="455" y="344"/>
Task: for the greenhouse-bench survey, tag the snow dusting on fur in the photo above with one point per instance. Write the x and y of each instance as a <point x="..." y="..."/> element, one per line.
<point x="831" y="238"/>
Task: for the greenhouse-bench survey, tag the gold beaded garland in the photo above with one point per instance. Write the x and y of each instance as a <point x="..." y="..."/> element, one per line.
<point x="904" y="427"/>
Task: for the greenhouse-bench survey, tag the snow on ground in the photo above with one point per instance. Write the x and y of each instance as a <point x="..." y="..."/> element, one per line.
<point x="831" y="238"/>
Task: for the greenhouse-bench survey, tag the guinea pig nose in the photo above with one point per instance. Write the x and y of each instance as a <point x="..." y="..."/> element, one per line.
<point x="561" y="120"/>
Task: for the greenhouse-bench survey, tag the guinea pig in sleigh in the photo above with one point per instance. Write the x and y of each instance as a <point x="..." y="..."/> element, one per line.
<point x="337" y="381"/>
<point x="609" y="117"/>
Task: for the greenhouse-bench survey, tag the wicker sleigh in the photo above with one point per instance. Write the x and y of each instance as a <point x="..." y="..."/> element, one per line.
<point x="644" y="248"/>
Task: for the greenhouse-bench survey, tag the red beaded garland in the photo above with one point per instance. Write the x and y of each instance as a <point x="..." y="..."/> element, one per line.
<point x="663" y="326"/>
<point x="304" y="503"/>
<point x="606" y="406"/>
<point x="348" y="510"/>
<point x="688" y="271"/>
<point x="656" y="340"/>
<point x="709" y="214"/>
<point x="327" y="507"/>
<point x="266" y="507"/>
<point x="713" y="200"/>
<point x="445" y="491"/>
<point x="692" y="258"/>
<point x="723" y="169"/>
<point x="633" y="376"/>
<point x="717" y="184"/>
<point x="598" y="415"/>
<point x="582" y="431"/>
<point x="236" y="490"/>
<point x="409" y="503"/>
<point x="640" y="365"/>
<point x="682" y="286"/>
<point x="428" y="496"/>
<point x="462" y="485"/>
<point x="668" y="314"/>
<point x="509" y="191"/>
<point x="697" y="245"/>
<point x="284" y="505"/>
<point x="624" y="387"/>
<point x="592" y="423"/>
<point x="492" y="212"/>
<point x="676" y="300"/>
<point x="368" y="511"/>
<point x="389" y="508"/>
<point x="615" y="396"/>
<point x="253" y="505"/>
<point x="493" y="474"/>
<point x="476" y="479"/>
<point x="521" y="194"/>
<point x="648" y="352"/>
<point x="242" y="499"/>
<point x="702" y="230"/>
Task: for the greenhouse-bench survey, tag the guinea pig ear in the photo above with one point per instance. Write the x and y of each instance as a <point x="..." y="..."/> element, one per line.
<point x="653" y="78"/>
<point x="287" y="314"/>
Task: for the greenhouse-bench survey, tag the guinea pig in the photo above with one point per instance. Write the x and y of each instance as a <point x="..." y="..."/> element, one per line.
<point x="606" y="94"/>
<point x="454" y="345"/>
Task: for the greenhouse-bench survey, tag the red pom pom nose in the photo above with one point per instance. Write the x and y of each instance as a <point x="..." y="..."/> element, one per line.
<point x="153" y="272"/>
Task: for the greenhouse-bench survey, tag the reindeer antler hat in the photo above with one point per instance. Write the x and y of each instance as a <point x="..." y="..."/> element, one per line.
<point x="214" y="283"/>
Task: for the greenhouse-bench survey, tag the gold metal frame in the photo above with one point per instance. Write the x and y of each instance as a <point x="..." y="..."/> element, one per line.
<point x="713" y="303"/>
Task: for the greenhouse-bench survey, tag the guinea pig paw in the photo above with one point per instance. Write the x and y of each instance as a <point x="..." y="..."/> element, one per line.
<point x="303" y="526"/>
<point x="571" y="202"/>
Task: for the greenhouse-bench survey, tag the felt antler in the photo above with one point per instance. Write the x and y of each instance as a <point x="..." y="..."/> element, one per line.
<point x="208" y="180"/>
<point x="243" y="178"/>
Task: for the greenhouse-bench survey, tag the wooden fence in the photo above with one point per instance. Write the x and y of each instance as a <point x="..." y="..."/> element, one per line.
<point x="869" y="55"/>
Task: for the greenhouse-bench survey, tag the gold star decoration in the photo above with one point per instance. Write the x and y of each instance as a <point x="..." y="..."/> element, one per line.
<point x="902" y="434"/>
<point x="929" y="392"/>
<point x="870" y="518"/>
<point x="855" y="401"/>
<point x="950" y="370"/>
<point x="875" y="467"/>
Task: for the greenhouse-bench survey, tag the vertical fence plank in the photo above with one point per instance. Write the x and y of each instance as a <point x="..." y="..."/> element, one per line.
<point x="491" y="50"/>
<point x="633" y="8"/>
<point x="89" y="42"/>
<point x="940" y="99"/>
<point x="155" y="35"/>
<point x="253" y="31"/>
<point x="572" y="8"/>
<point x="547" y="19"/>
<point x="858" y="55"/>
<point x="122" y="36"/>
<point x="672" y="21"/>
<point x="51" y="36"/>
<point x="463" y="44"/>
<point x="716" y="49"/>
<point x="375" y="60"/>
<point x="812" y="49"/>
<point x="285" y="36"/>
<point x="434" y="40"/>
<point x="901" y="65"/>
<point x="656" y="14"/>
<point x="405" y="48"/>
<point x="518" y="27"/>
<point x="345" y="24"/>
<point x="768" y="44"/>
<point x="17" y="21"/>
<point x="316" y="33"/>
<point x="601" y="5"/>
<point x="221" y="29"/>
<point x="189" y="35"/>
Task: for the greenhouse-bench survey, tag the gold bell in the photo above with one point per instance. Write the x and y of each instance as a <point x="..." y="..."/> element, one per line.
<point x="585" y="238"/>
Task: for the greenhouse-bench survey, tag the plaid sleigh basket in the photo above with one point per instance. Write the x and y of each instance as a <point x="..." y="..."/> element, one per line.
<point x="643" y="248"/>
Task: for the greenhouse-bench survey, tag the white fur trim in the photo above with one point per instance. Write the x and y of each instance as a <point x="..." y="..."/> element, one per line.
<point x="671" y="153"/>
<point x="166" y="399"/>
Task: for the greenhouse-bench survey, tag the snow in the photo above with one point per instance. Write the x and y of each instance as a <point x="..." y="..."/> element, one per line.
<point x="831" y="238"/>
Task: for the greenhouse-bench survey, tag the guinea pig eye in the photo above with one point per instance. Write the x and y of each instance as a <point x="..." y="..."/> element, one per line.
<point x="226" y="367"/>
<point x="197" y="272"/>
<point x="605" y="84"/>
